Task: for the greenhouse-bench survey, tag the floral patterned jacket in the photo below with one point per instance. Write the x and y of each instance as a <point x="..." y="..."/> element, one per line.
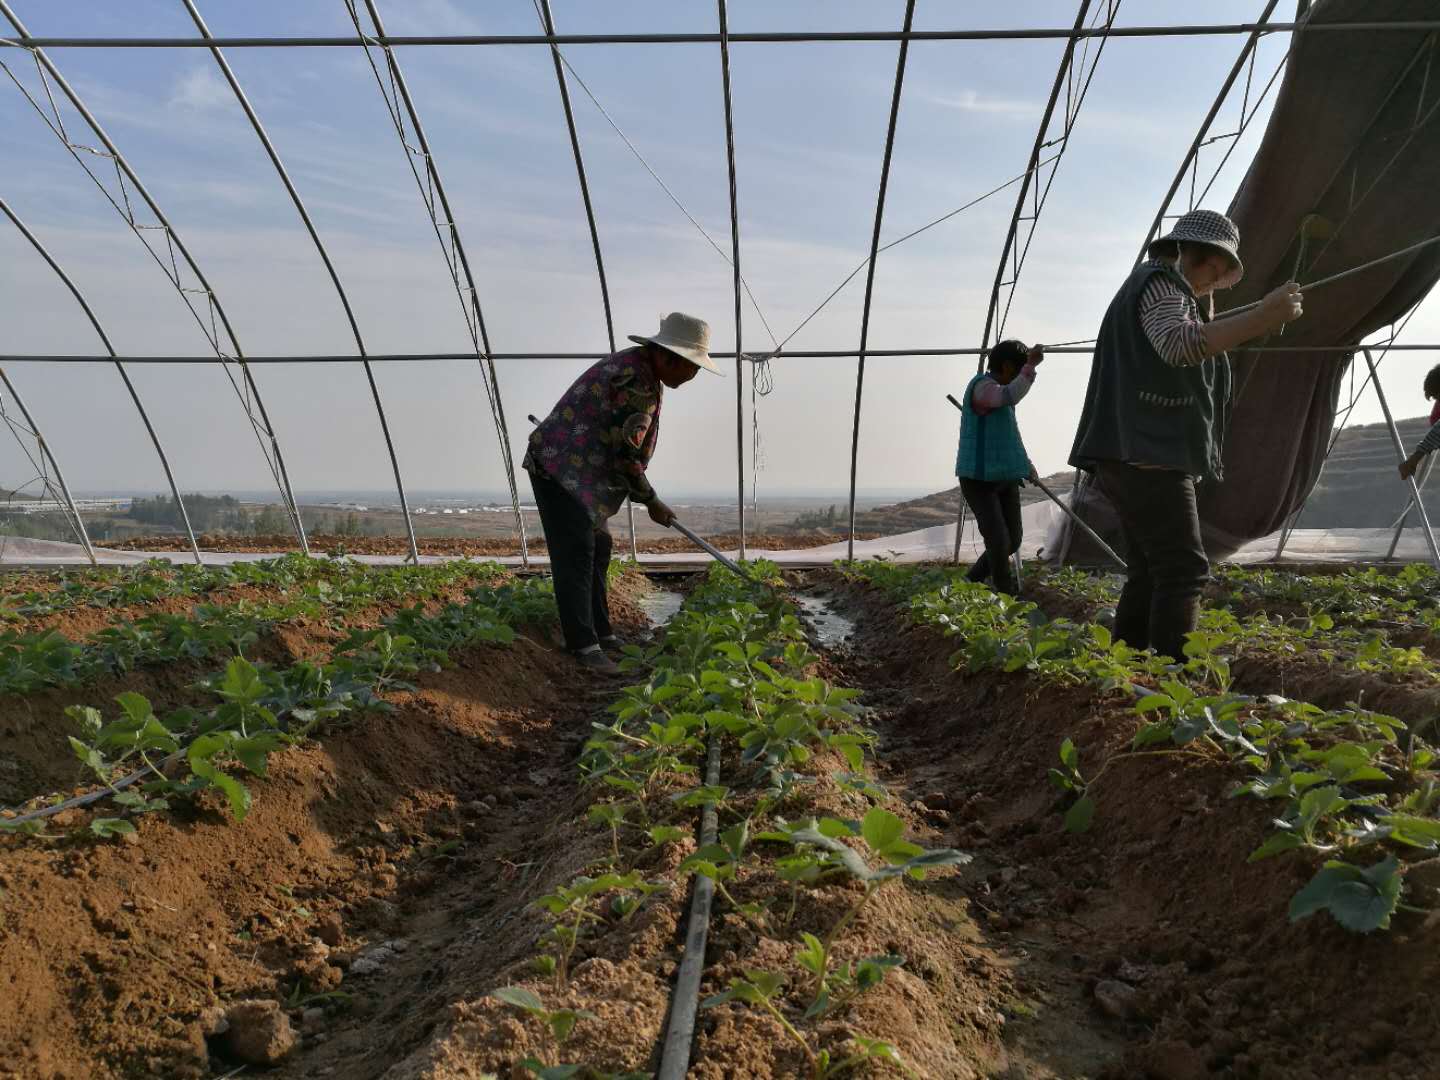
<point x="600" y="436"/>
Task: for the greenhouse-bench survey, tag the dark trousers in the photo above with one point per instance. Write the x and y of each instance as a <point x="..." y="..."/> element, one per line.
<point x="579" y="556"/>
<point x="996" y="507"/>
<point x="1168" y="569"/>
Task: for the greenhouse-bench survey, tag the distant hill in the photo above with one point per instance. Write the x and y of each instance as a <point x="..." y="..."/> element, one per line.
<point x="1359" y="488"/>
<point x="940" y="508"/>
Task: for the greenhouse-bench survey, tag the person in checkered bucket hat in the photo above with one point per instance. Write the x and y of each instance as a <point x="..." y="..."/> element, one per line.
<point x="1156" y="412"/>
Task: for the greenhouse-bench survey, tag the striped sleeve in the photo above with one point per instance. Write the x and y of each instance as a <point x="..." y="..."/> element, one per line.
<point x="1169" y="320"/>
<point x="1431" y="442"/>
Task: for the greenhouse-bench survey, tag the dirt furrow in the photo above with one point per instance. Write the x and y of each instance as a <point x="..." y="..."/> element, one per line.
<point x="1147" y="947"/>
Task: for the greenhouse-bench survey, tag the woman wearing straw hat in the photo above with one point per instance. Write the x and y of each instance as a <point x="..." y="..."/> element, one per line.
<point x="1156" y="412"/>
<point x="589" y="455"/>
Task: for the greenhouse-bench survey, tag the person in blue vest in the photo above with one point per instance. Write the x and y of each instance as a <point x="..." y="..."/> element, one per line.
<point x="992" y="463"/>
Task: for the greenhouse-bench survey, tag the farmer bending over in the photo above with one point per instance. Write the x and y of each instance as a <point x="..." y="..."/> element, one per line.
<point x="1156" y="411"/>
<point x="1431" y="441"/>
<point x="589" y="454"/>
<point x="992" y="462"/>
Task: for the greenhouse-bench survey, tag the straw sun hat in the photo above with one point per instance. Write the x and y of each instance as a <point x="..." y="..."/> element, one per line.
<point x="685" y="336"/>
<point x="1211" y="229"/>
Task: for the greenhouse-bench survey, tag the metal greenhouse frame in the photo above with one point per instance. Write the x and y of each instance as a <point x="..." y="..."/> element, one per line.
<point x="1084" y="43"/>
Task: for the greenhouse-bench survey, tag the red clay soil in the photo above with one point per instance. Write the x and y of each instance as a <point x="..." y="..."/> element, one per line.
<point x="429" y="827"/>
<point x="1152" y="928"/>
<point x="35" y="759"/>
<point x="445" y="545"/>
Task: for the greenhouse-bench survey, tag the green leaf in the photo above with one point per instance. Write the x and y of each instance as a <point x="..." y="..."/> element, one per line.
<point x="1359" y="899"/>
<point x="91" y="757"/>
<point x="881" y="829"/>
<point x="1069" y="756"/>
<point x="253" y="751"/>
<point x="110" y="826"/>
<point x="812" y="955"/>
<point x="562" y="1022"/>
<point x="1079" y="816"/>
<point x="236" y="792"/>
<point x="241" y="682"/>
<point x="519" y="997"/>
<point x="1154" y="701"/>
<point x="1277" y="844"/>
<point x="667" y="834"/>
<point x="135" y="706"/>
<point x="1416" y="831"/>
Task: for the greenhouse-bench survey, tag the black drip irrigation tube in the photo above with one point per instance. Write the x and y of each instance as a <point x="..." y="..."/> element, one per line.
<point x="685" y="997"/>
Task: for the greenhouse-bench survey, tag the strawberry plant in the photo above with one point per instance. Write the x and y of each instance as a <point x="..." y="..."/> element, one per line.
<point x="1341" y="775"/>
<point x="762" y="988"/>
<point x="1359" y="898"/>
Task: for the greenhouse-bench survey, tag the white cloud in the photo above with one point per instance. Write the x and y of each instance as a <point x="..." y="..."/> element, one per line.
<point x="970" y="101"/>
<point x="201" y="89"/>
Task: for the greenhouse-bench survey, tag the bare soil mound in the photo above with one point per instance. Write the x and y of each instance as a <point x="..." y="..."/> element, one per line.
<point x="1153" y="919"/>
<point x="367" y="885"/>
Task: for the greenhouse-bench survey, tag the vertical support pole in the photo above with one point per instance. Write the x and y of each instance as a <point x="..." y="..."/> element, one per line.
<point x="1289" y="528"/>
<point x="119" y="367"/>
<point x="75" y="521"/>
<point x="1035" y="151"/>
<point x="1409" y="506"/>
<point x="433" y="191"/>
<point x="1400" y="458"/>
<point x="959" y="527"/>
<point x="735" y="266"/>
<point x="547" y="22"/>
<point x="1199" y="140"/>
<point x="870" y="267"/>
<point x="284" y="175"/>
<point x="1082" y="480"/>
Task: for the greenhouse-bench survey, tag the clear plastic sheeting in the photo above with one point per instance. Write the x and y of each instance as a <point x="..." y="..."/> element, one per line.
<point x="936" y="544"/>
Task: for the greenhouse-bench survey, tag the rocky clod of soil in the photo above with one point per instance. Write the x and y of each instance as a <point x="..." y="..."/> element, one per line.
<point x="259" y="1033"/>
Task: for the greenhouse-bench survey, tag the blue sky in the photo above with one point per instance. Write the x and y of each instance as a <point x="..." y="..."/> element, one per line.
<point x="810" y="127"/>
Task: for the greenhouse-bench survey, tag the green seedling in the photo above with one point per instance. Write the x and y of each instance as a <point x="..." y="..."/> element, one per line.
<point x="720" y="862"/>
<point x="612" y="816"/>
<point x="1068" y="779"/>
<point x="559" y="1023"/>
<point x="569" y="907"/>
<point x="760" y="989"/>
<point x="883" y="836"/>
<point x="837" y="989"/>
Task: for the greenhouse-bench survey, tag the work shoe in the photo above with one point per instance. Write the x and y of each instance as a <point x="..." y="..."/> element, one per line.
<point x="595" y="660"/>
<point x="612" y="642"/>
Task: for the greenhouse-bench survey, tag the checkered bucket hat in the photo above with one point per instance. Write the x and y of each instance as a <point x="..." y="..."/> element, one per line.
<point x="1205" y="227"/>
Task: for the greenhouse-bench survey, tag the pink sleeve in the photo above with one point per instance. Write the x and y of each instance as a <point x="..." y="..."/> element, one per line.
<point x="986" y="396"/>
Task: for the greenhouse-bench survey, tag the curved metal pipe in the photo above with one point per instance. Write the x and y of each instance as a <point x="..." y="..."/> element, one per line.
<point x="735" y="266"/>
<point x="1239" y="66"/>
<point x="870" y="270"/>
<point x="547" y="20"/>
<point x="1065" y="60"/>
<point x="75" y="521"/>
<point x="44" y="253"/>
<point x="433" y="172"/>
<point x="282" y="475"/>
<point x="324" y="254"/>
